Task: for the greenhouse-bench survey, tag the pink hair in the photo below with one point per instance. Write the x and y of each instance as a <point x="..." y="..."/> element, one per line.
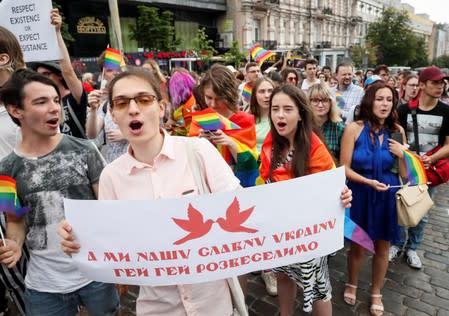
<point x="180" y="87"/>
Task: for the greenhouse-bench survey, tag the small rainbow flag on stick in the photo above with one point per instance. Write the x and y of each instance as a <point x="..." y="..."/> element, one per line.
<point x="210" y="120"/>
<point x="260" y="54"/>
<point x="9" y="202"/>
<point x="416" y="174"/>
<point x="246" y="92"/>
<point x="113" y="59"/>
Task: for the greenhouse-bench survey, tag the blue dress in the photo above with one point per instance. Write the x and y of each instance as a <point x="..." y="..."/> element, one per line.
<point x="374" y="211"/>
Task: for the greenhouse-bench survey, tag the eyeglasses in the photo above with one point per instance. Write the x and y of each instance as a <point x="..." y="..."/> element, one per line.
<point x="291" y="79"/>
<point x="142" y="101"/>
<point x="412" y="85"/>
<point x="317" y="101"/>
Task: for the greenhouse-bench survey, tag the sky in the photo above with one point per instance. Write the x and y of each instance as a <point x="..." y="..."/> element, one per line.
<point x="436" y="9"/>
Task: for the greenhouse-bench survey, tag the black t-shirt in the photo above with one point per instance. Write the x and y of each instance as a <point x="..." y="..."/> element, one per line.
<point x="69" y="126"/>
<point x="433" y="126"/>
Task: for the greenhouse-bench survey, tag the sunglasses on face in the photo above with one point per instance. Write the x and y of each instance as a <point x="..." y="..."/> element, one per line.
<point x="142" y="101"/>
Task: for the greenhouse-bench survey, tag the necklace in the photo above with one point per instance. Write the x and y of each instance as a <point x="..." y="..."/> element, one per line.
<point x="287" y="159"/>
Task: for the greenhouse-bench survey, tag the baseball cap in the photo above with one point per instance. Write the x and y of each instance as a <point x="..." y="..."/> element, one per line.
<point x="432" y="73"/>
<point x="50" y="65"/>
<point x="371" y="80"/>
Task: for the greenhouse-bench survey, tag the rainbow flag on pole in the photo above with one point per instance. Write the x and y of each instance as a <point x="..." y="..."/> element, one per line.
<point x="113" y="59"/>
<point x="9" y="202"/>
<point x="416" y="174"/>
<point x="247" y="92"/>
<point x="260" y="54"/>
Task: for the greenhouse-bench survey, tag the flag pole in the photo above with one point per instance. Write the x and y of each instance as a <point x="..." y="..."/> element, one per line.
<point x="116" y="30"/>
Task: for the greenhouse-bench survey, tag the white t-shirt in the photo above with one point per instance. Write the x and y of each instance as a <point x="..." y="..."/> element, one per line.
<point x="306" y="85"/>
<point x="9" y="133"/>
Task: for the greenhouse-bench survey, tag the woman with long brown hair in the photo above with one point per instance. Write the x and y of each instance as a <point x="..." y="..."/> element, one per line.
<point x="369" y="154"/>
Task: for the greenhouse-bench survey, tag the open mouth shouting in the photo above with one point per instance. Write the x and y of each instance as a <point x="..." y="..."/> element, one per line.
<point x="136" y="127"/>
<point x="53" y="123"/>
<point x="280" y="127"/>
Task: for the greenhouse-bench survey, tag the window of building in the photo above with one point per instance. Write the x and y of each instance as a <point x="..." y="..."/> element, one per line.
<point x="129" y="45"/>
<point x="256" y="26"/>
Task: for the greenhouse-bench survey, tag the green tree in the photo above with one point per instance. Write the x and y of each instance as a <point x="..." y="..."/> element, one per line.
<point x="154" y="31"/>
<point x="234" y="56"/>
<point x="202" y="45"/>
<point x="393" y="39"/>
<point x="441" y="61"/>
<point x="68" y="38"/>
<point x="421" y="57"/>
<point x="363" y="56"/>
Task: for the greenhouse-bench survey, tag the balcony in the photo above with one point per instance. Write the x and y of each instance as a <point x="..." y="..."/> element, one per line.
<point x="271" y="45"/>
<point x="323" y="44"/>
<point x="355" y="19"/>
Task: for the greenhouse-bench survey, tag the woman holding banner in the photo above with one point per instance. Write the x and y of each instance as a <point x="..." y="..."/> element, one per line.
<point x="293" y="149"/>
<point x="369" y="155"/>
<point x="148" y="171"/>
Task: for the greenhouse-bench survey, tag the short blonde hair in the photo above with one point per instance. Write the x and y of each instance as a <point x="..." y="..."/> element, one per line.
<point x="321" y="90"/>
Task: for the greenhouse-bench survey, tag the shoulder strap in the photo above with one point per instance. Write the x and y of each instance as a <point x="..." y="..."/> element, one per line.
<point x="415" y="126"/>
<point x="196" y="168"/>
<point x="75" y="119"/>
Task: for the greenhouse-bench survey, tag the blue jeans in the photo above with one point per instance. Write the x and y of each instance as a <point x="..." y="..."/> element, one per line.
<point x="100" y="299"/>
<point x="415" y="234"/>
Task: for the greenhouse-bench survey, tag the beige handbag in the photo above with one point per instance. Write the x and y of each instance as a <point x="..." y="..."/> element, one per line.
<point x="238" y="299"/>
<point x="412" y="202"/>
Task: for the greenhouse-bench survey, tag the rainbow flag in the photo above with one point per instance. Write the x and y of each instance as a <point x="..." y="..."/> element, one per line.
<point x="416" y="174"/>
<point x="356" y="234"/>
<point x="244" y="165"/>
<point x="210" y="120"/>
<point x="340" y="100"/>
<point x="260" y="54"/>
<point x="9" y="202"/>
<point x="113" y="59"/>
<point x="246" y="92"/>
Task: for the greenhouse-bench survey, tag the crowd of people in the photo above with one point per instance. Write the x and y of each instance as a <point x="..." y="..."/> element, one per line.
<point x="125" y="136"/>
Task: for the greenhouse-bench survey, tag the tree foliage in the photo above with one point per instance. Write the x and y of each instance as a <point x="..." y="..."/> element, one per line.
<point x="234" y="56"/>
<point x="202" y="45"/>
<point x="154" y="30"/>
<point x="363" y="56"/>
<point x="441" y="61"/>
<point x="395" y="42"/>
<point x="64" y="27"/>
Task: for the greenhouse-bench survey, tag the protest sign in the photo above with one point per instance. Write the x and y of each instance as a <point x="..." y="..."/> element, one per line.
<point x="30" y="22"/>
<point x="209" y="237"/>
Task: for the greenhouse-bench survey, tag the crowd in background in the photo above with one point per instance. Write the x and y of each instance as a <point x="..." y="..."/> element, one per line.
<point x="292" y="124"/>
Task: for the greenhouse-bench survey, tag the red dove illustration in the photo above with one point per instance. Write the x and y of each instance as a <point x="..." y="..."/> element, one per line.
<point x="195" y="225"/>
<point x="235" y="219"/>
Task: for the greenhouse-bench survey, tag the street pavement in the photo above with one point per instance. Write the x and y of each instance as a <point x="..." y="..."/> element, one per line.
<point x="406" y="291"/>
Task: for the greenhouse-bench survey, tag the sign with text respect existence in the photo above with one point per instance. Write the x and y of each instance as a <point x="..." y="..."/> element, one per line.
<point x="209" y="237"/>
<point x="30" y="22"/>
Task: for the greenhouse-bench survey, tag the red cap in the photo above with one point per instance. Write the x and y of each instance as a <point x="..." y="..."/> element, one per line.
<point x="432" y="73"/>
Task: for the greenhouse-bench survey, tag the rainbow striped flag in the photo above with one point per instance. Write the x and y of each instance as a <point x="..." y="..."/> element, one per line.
<point x="260" y="54"/>
<point x="246" y="92"/>
<point x="245" y="165"/>
<point x="210" y="120"/>
<point x="113" y="59"/>
<point x="416" y="174"/>
<point x="356" y="234"/>
<point x="9" y="202"/>
<point x="340" y="100"/>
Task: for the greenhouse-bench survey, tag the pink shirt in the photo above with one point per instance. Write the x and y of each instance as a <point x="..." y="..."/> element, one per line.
<point x="170" y="176"/>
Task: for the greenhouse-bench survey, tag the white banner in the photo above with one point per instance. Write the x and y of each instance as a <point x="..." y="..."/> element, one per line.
<point x="209" y="237"/>
<point x="30" y="22"/>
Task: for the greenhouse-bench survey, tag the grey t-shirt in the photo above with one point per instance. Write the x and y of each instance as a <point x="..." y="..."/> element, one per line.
<point x="69" y="171"/>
